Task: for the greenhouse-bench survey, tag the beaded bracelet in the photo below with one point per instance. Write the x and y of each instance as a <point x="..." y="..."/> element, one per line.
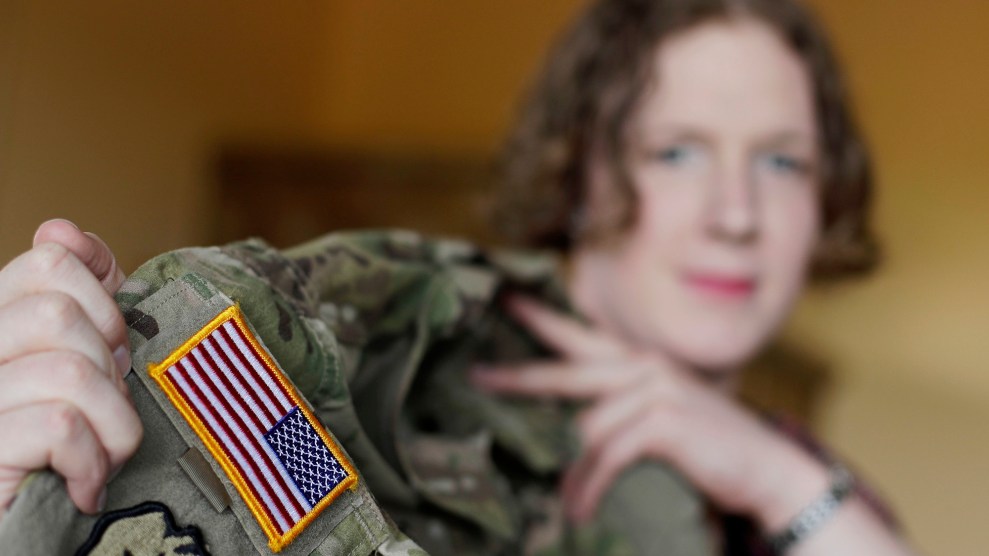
<point x="818" y="512"/>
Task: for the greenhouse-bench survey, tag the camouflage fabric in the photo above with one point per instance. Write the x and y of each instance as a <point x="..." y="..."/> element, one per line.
<point x="377" y="330"/>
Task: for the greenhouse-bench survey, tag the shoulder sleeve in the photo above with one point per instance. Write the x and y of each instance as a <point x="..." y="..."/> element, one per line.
<point x="421" y="311"/>
<point x="242" y="391"/>
<point x="374" y="330"/>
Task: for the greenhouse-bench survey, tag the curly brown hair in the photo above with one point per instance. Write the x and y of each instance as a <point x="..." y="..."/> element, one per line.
<point x="594" y="78"/>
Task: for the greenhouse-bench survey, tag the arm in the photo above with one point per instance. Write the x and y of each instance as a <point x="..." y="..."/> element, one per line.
<point x="63" y="349"/>
<point x="854" y="528"/>
<point x="641" y="406"/>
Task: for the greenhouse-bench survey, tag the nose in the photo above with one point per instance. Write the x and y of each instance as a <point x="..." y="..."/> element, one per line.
<point x="733" y="212"/>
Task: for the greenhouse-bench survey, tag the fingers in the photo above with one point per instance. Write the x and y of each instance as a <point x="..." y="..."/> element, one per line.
<point x="87" y="247"/>
<point x="53" y="321"/>
<point x="68" y="377"/>
<point x="51" y="267"/>
<point x="609" y="417"/>
<point x="557" y="379"/>
<point x="52" y="435"/>
<point x="637" y="422"/>
<point x="564" y="334"/>
<point x="586" y="482"/>
<point x="63" y="347"/>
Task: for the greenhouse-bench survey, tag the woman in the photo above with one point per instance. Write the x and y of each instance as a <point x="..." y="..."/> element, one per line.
<point x="695" y="159"/>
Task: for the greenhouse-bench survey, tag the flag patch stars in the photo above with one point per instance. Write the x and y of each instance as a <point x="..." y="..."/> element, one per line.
<point x="285" y="466"/>
<point x="313" y="468"/>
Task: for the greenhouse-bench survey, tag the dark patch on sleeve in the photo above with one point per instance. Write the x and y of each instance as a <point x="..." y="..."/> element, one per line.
<point x="305" y="265"/>
<point x="336" y="251"/>
<point x="297" y="292"/>
<point x="144" y="324"/>
<point x="196" y="545"/>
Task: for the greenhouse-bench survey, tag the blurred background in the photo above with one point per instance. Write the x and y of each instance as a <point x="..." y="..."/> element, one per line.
<point x="166" y="124"/>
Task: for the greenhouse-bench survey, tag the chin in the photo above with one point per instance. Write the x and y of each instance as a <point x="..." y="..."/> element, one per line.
<point x="714" y="349"/>
<point x="714" y="359"/>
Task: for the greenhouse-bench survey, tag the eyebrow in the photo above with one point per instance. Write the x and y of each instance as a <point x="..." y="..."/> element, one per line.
<point x="776" y="138"/>
<point x="787" y="137"/>
<point x="680" y="132"/>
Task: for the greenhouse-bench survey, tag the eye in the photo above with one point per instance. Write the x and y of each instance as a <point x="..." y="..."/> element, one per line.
<point x="787" y="164"/>
<point x="674" y="155"/>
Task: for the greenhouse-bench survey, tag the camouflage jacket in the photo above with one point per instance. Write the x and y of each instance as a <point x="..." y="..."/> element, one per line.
<point x="371" y="334"/>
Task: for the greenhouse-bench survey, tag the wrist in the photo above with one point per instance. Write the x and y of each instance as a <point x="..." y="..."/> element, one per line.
<point x="816" y="514"/>
<point x="791" y="480"/>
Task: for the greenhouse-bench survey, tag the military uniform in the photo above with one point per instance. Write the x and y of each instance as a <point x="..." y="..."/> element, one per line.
<point x="366" y="337"/>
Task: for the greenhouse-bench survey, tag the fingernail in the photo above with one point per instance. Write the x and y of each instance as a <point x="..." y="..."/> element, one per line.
<point x="34" y="240"/>
<point x="69" y="222"/>
<point x="101" y="503"/>
<point x="122" y="357"/>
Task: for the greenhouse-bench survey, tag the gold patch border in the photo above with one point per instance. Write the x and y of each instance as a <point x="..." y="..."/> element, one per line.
<point x="275" y="541"/>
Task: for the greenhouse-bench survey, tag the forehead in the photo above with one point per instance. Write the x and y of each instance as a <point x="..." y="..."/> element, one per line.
<point x="730" y="76"/>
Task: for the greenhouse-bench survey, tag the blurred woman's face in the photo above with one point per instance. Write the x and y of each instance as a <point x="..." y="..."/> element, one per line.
<point x="723" y="155"/>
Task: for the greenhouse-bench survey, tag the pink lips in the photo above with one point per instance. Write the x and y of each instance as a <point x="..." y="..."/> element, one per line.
<point x="729" y="288"/>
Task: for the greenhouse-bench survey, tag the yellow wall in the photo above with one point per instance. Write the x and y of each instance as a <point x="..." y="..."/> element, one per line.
<point x="912" y="344"/>
<point x="433" y="73"/>
<point x="111" y="109"/>
<point x="107" y="105"/>
<point x="109" y="112"/>
<point x="919" y="75"/>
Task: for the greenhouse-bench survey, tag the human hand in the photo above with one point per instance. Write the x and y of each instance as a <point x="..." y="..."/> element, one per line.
<point x="644" y="406"/>
<point x="63" y="353"/>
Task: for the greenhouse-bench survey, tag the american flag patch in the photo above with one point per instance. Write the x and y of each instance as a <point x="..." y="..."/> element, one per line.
<point x="284" y="464"/>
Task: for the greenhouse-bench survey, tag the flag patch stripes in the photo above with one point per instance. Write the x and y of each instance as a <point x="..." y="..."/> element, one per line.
<point x="285" y="466"/>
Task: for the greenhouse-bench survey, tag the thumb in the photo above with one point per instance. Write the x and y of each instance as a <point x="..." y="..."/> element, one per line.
<point x="87" y="247"/>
